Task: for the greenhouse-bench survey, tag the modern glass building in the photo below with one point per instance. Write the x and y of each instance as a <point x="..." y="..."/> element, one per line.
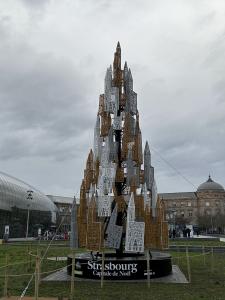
<point x="15" y="205"/>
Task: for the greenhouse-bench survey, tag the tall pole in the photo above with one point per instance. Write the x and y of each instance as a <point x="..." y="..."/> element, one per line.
<point x="174" y="218"/>
<point x="28" y="219"/>
<point x="211" y="223"/>
<point x="117" y="82"/>
<point x="73" y="245"/>
<point x="6" y="277"/>
<point x="29" y="197"/>
<point x="37" y="276"/>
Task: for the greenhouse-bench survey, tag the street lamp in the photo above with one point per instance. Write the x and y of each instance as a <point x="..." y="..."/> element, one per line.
<point x="29" y="197"/>
<point x="174" y="218"/>
<point x="211" y="223"/>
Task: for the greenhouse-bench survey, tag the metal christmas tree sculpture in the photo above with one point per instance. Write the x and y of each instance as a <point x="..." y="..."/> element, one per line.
<point x="119" y="207"/>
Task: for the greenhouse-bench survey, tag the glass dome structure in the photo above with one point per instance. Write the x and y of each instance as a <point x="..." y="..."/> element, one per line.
<point x="14" y="206"/>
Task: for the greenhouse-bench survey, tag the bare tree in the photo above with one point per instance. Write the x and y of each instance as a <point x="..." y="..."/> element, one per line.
<point x="210" y="223"/>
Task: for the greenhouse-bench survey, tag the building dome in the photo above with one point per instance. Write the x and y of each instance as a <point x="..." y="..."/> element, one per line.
<point x="23" y="209"/>
<point x="210" y="185"/>
<point x="13" y="192"/>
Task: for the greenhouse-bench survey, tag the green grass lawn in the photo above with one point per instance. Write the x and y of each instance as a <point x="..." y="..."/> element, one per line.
<point x="207" y="279"/>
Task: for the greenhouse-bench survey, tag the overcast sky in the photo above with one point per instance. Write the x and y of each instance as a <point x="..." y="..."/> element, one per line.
<point x="53" y="58"/>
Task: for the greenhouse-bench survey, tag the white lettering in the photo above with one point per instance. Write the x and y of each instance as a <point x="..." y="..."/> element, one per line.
<point x="112" y="267"/>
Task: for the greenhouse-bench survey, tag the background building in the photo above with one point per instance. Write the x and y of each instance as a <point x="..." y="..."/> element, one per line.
<point x="16" y="207"/>
<point x="204" y="208"/>
<point x="63" y="217"/>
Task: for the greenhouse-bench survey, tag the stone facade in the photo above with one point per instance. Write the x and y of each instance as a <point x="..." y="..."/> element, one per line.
<point x="211" y="203"/>
<point x="190" y="207"/>
<point x="180" y="206"/>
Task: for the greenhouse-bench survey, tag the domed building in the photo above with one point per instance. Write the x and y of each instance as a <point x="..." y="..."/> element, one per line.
<point x="17" y="200"/>
<point x="204" y="208"/>
<point x="211" y="202"/>
<point x="210" y="186"/>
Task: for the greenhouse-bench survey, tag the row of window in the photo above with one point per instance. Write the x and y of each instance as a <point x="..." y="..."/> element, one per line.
<point x="189" y="213"/>
<point x="216" y="203"/>
<point x="170" y="216"/>
<point x="189" y="204"/>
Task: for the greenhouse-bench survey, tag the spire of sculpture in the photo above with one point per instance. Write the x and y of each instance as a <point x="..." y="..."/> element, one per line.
<point x="74" y="230"/>
<point x="131" y="209"/>
<point x="118" y="196"/>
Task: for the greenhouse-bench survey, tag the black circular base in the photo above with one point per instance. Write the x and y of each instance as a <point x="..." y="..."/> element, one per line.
<point x="126" y="267"/>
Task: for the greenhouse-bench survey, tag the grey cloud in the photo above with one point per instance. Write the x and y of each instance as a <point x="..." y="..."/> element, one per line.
<point x="219" y="88"/>
<point x="35" y="3"/>
<point x="52" y="70"/>
<point x="48" y="95"/>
